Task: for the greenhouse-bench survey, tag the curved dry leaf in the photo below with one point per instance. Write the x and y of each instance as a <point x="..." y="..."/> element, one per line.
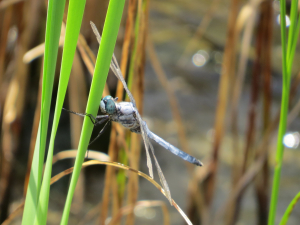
<point x="68" y="154"/>
<point x="118" y="165"/>
<point x="38" y="51"/>
<point x="14" y="214"/>
<point x="121" y="166"/>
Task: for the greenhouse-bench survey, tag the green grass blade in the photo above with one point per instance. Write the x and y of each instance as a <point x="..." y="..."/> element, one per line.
<point x="287" y="63"/>
<point x="74" y="20"/>
<point x="53" y="26"/>
<point x="282" y="123"/>
<point x="289" y="209"/>
<point x="279" y="154"/>
<point x="109" y="37"/>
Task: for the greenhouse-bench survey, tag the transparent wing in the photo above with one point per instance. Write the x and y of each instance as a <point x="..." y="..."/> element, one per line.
<point x="162" y="178"/>
<point x="114" y="66"/>
<point x="146" y="143"/>
<point x="117" y="71"/>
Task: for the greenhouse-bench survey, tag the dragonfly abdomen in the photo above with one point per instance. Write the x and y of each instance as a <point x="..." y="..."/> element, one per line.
<point x="185" y="156"/>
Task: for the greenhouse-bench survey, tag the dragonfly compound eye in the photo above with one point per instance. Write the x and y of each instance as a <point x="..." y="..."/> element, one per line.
<point x="110" y="106"/>
<point x="107" y="105"/>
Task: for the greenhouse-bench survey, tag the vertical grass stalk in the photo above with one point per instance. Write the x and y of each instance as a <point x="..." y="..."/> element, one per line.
<point x="74" y="19"/>
<point x="288" y="51"/>
<point x="53" y="26"/>
<point x="106" y="48"/>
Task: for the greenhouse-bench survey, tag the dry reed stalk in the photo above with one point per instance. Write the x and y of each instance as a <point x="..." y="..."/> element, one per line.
<point x="261" y="151"/>
<point x="223" y="92"/>
<point x="3" y="43"/>
<point x="132" y="185"/>
<point x="4" y="172"/>
<point x="248" y="153"/>
<point x="126" y="44"/>
<point x="89" y="59"/>
<point x="109" y="175"/>
<point x="126" y="48"/>
<point x="245" y="19"/>
<point x="261" y="182"/>
<point x="172" y="99"/>
<point x="261" y="68"/>
<point x="87" y="53"/>
<point x="198" y="211"/>
<point x="138" y="64"/>
<point x="116" y="201"/>
<point x="77" y="102"/>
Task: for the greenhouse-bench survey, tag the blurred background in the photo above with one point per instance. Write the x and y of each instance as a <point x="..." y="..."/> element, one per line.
<point x="208" y="80"/>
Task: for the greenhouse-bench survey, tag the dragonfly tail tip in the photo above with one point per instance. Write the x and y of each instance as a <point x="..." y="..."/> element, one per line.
<point x="199" y="163"/>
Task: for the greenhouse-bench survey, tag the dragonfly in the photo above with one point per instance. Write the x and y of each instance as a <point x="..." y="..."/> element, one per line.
<point x="126" y="114"/>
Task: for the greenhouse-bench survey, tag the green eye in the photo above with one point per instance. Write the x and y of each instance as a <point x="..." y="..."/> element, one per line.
<point x="110" y="106"/>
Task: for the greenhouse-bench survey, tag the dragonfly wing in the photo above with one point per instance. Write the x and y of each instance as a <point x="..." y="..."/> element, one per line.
<point x="114" y="66"/>
<point x="96" y="32"/>
<point x="145" y="133"/>
<point x="174" y="150"/>
<point x="146" y="143"/>
<point x="162" y="178"/>
<point x="144" y="129"/>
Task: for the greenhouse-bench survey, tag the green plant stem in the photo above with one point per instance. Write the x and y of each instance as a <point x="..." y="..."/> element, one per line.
<point x="289" y="209"/>
<point x="279" y="155"/>
<point x="53" y="27"/>
<point x="109" y="37"/>
<point x="75" y="14"/>
<point x="283" y="119"/>
<point x="288" y="51"/>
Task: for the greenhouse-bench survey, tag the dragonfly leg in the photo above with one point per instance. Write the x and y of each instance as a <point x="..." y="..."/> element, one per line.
<point x="93" y="119"/>
<point x="101" y="119"/>
<point x="70" y="111"/>
<point x="101" y="132"/>
<point x="98" y="119"/>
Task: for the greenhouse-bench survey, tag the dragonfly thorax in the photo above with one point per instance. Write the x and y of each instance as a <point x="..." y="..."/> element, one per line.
<point x="108" y="105"/>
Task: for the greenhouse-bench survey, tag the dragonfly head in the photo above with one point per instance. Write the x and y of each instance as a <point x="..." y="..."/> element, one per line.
<point x="108" y="105"/>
